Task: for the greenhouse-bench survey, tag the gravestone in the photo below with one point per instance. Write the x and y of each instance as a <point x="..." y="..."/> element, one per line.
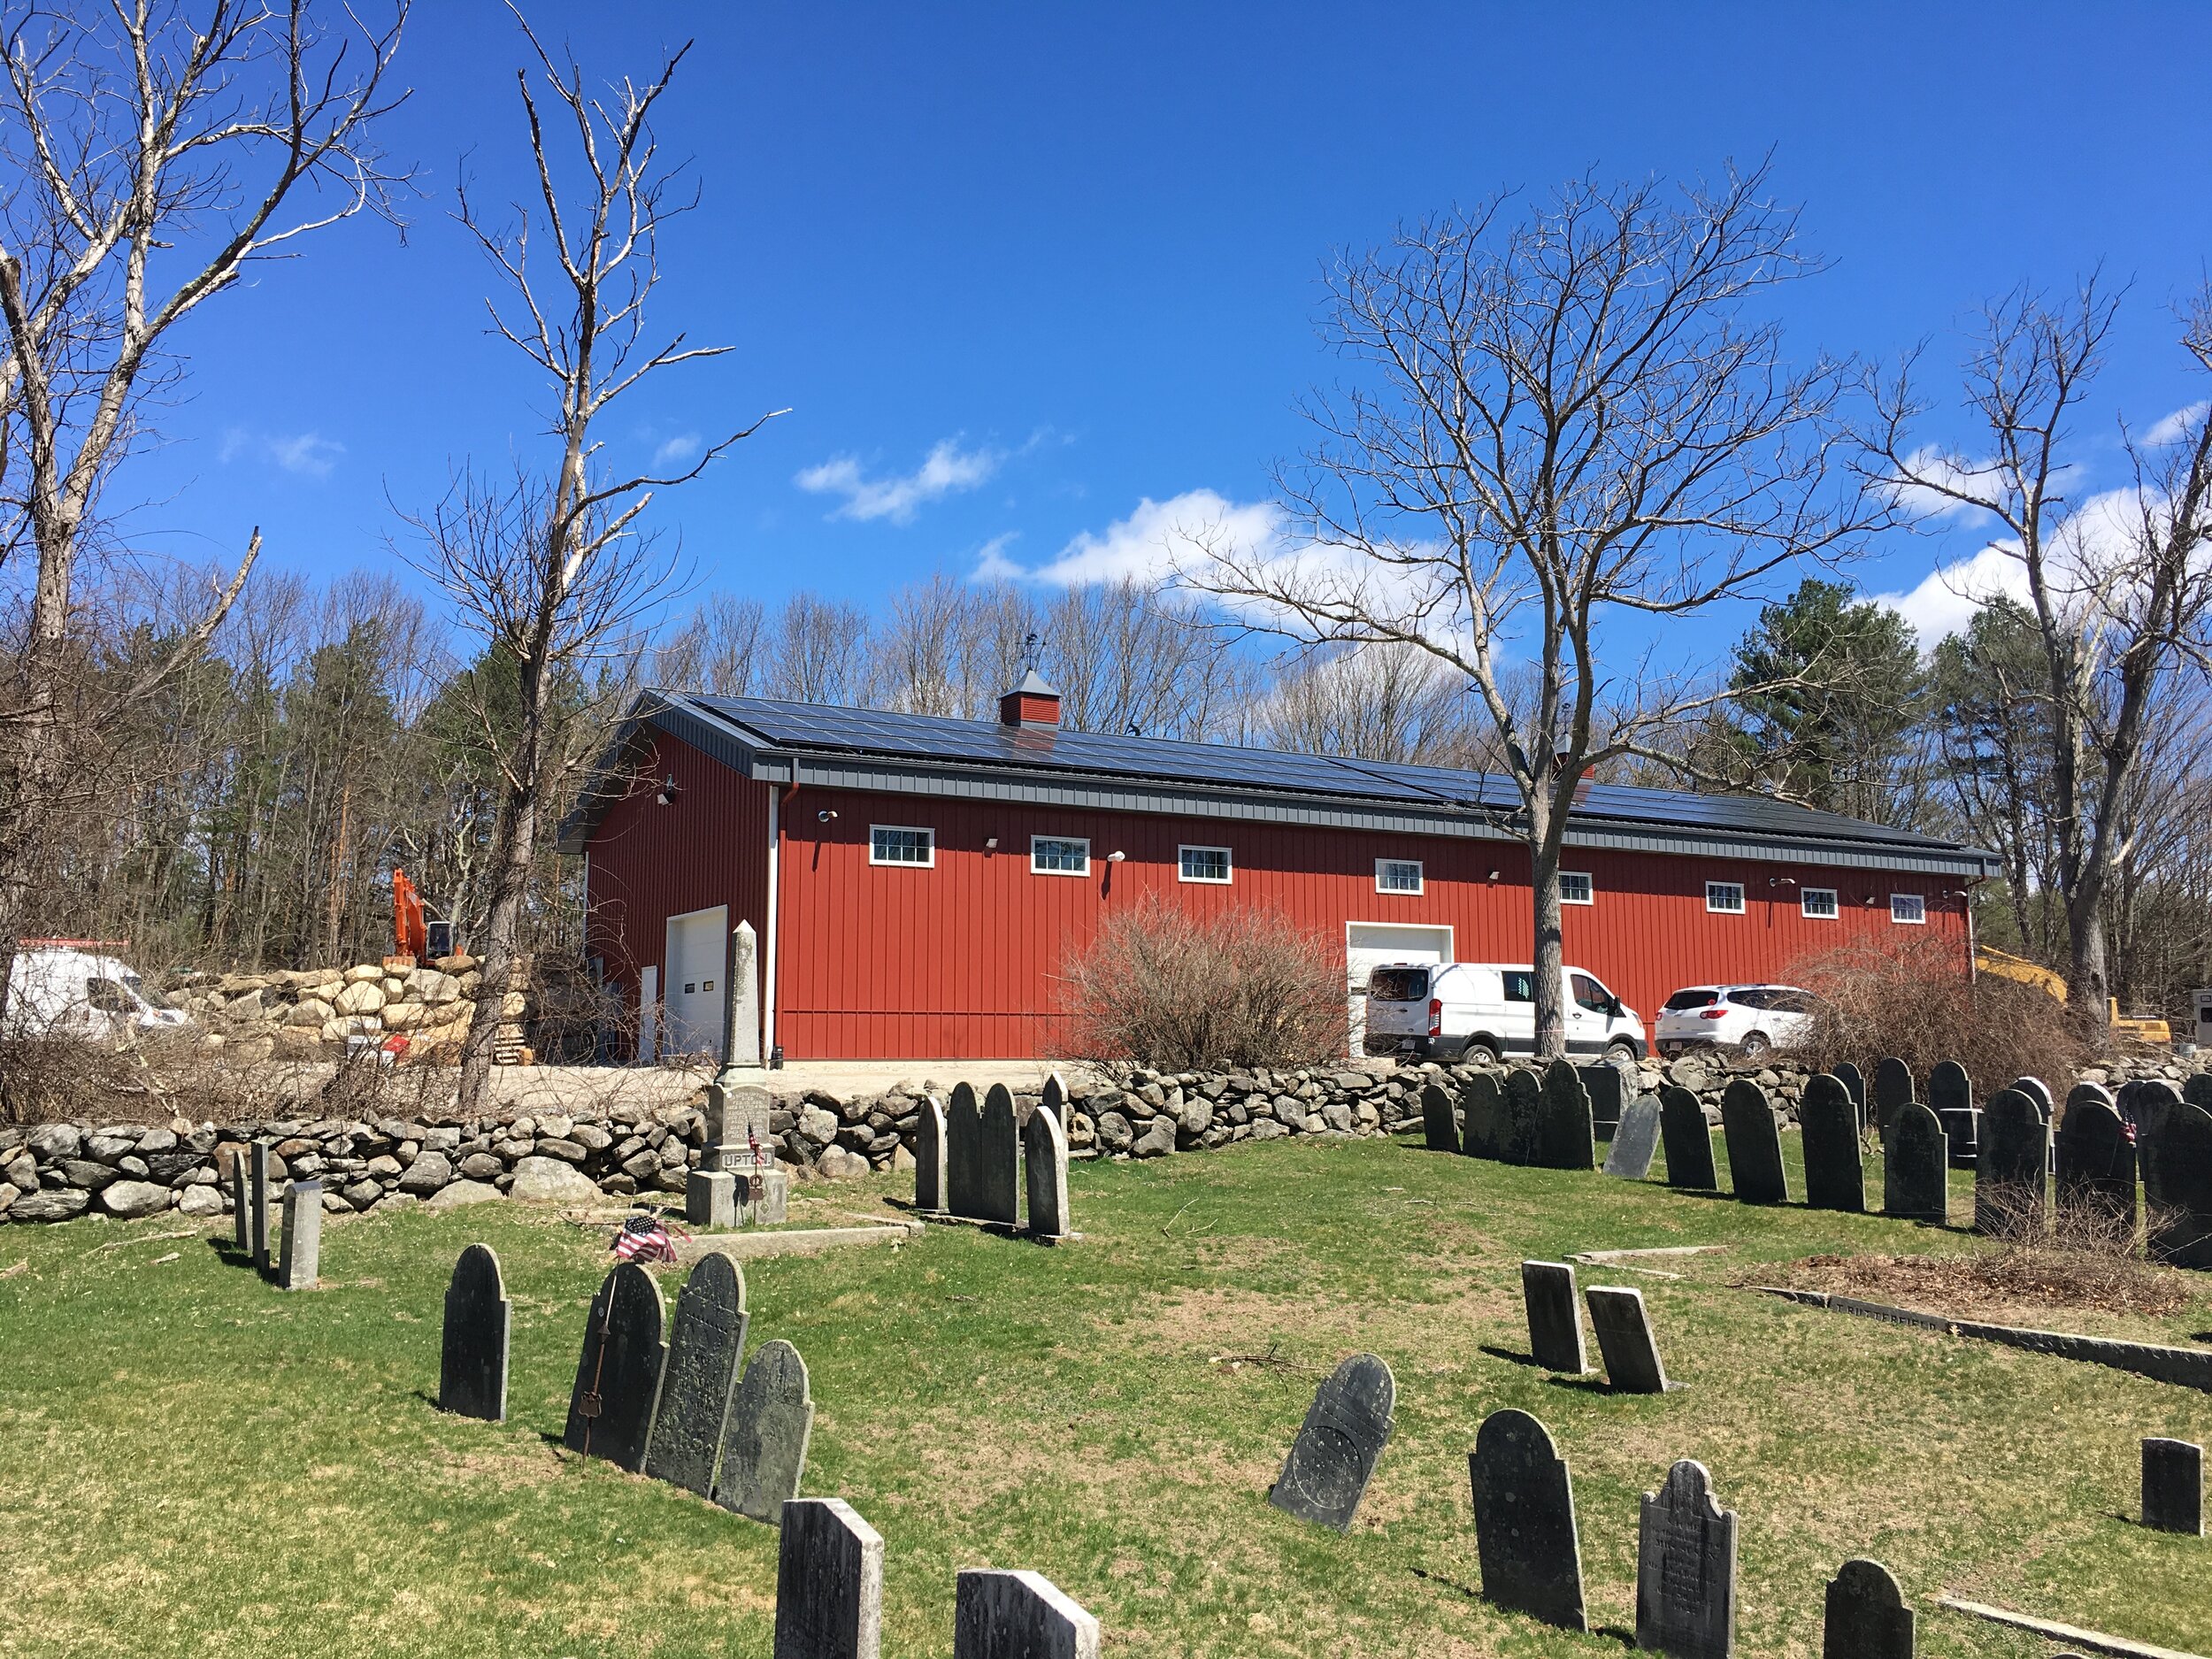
<point x="303" y="1244"/>
<point x="2181" y="1212"/>
<point x="1018" y="1616"/>
<point x="1486" y="1126"/>
<point x="1755" y="1144"/>
<point x="1439" y="1130"/>
<point x="1916" y="1167"/>
<point x="2196" y="1088"/>
<point x="1525" y="1116"/>
<point x="240" y="1211"/>
<point x="257" y="1203"/>
<point x="1635" y="1138"/>
<point x="764" y="1441"/>
<point x="704" y="1344"/>
<point x="737" y="1183"/>
<point x="1686" y="1568"/>
<point x="2081" y="1092"/>
<point x="2096" y="1163"/>
<point x="1045" y="1160"/>
<point x="983" y="1158"/>
<point x="1555" y="1318"/>
<point x="1567" y="1141"/>
<point x="472" y="1359"/>
<point x="829" y="1583"/>
<point x="1835" y="1170"/>
<point x="2173" y="1487"/>
<point x="2036" y="1090"/>
<point x="1525" y="1521"/>
<point x="1334" y="1455"/>
<point x="1689" y="1141"/>
<point x="741" y="1026"/>
<point x="929" y="1158"/>
<point x="1610" y="1091"/>
<point x="2144" y="1105"/>
<point x="1624" y="1340"/>
<point x="1855" y="1080"/>
<point x="618" y="1378"/>
<point x="1893" y="1087"/>
<point x="1951" y="1097"/>
<point x="2009" y="1168"/>
<point x="1867" y="1617"/>
<point x="1054" y="1098"/>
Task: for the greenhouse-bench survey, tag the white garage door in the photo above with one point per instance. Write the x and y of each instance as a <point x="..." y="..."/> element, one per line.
<point x="1370" y="945"/>
<point x="693" y="992"/>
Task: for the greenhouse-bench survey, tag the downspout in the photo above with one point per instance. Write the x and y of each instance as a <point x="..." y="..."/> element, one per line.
<point x="775" y="893"/>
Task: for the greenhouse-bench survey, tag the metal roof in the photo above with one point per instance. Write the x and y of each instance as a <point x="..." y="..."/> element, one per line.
<point x="868" y="749"/>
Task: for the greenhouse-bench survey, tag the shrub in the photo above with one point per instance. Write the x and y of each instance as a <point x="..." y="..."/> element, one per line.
<point x="1915" y="1000"/>
<point x="1244" y="987"/>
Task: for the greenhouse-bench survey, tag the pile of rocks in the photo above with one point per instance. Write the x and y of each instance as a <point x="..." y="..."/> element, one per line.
<point x="313" y="1013"/>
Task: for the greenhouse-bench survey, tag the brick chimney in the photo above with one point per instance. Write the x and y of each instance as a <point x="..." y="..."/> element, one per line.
<point x="1032" y="704"/>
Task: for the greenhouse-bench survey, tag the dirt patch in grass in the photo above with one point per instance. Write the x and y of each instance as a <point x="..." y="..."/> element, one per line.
<point x="2009" y="1286"/>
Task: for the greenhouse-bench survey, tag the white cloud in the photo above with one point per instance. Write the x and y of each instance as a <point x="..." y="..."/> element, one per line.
<point x="307" y="454"/>
<point x="2177" y="425"/>
<point x="1947" y="599"/>
<point x="1149" y="543"/>
<point x="676" y="450"/>
<point x="1924" y="500"/>
<point x="947" y="470"/>
<point x="991" y="563"/>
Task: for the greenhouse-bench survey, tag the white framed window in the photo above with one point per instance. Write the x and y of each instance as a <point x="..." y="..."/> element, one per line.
<point x="1577" y="887"/>
<point x="1059" y="855"/>
<point x="901" y="844"/>
<point x="1397" y="875"/>
<point x="1908" y="909"/>
<point x="1209" y="864"/>
<point x="1818" y="903"/>
<point x="1724" y="898"/>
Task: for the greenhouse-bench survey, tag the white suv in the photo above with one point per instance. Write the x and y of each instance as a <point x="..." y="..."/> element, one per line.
<point x="1750" y="1018"/>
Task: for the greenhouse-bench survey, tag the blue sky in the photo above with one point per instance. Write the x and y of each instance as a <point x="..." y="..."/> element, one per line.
<point x="1073" y="254"/>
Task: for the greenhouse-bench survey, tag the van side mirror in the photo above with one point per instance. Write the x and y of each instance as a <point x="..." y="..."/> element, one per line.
<point x="1618" y="1010"/>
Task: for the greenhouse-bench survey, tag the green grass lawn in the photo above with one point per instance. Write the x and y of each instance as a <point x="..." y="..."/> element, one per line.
<point x="193" y="1462"/>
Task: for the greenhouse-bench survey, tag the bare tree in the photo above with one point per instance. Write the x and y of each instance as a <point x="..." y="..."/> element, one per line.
<point x="554" y="573"/>
<point x="720" y="649"/>
<point x="1568" y="425"/>
<point x="818" y="651"/>
<point x="153" y="152"/>
<point x="1392" y="703"/>
<point x="2117" y="582"/>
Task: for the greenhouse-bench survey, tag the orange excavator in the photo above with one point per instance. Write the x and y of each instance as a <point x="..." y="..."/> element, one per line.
<point x="410" y="936"/>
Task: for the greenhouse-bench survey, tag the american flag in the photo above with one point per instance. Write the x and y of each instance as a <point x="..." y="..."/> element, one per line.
<point x="644" y="1237"/>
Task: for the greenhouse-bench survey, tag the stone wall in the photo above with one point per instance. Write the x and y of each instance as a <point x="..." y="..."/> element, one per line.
<point x="312" y="1013"/>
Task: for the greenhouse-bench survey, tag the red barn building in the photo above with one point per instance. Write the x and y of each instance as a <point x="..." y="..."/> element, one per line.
<point x="916" y="883"/>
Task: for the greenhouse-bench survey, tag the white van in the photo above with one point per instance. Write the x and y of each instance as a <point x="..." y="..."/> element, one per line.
<point x="1446" y="1011"/>
<point x="65" y="989"/>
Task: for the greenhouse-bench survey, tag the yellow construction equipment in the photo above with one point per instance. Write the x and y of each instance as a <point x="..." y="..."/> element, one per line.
<point x="2007" y="966"/>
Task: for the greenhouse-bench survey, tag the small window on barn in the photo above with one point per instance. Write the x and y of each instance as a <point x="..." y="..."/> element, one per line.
<point x="1907" y="907"/>
<point x="1058" y="855"/>
<point x="1577" y="887"/>
<point x="1203" y="863"/>
<point x="1724" y="898"/>
<point x="899" y="844"/>
<point x="1397" y="875"/>
<point x="1819" y="903"/>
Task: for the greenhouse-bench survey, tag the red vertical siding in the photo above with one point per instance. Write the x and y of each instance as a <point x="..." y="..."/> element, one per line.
<point x="651" y="861"/>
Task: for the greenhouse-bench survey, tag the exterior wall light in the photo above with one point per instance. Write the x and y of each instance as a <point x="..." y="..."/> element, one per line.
<point x="668" y="792"/>
<point x="825" y="815"/>
<point x="1116" y="858"/>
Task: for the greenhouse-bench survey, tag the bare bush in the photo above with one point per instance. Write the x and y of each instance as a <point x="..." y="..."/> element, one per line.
<point x="1244" y="987"/>
<point x="1915" y="1001"/>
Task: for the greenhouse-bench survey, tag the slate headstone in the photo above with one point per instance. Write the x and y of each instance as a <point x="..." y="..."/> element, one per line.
<point x="1916" y="1166"/>
<point x="2173" y="1487"/>
<point x="763" y="1445"/>
<point x="1835" y="1170"/>
<point x="2096" y="1164"/>
<point x="1334" y="1455"/>
<point x="1525" y="1521"/>
<point x="1855" y="1080"/>
<point x="302" y="1245"/>
<point x="1689" y="1141"/>
<point x="1555" y="1318"/>
<point x="2144" y="1104"/>
<point x="1635" y="1138"/>
<point x="2036" y="1090"/>
<point x="2010" y="1166"/>
<point x="704" y="1344"/>
<point x="1525" y="1116"/>
<point x="983" y="1157"/>
<point x="1755" y="1144"/>
<point x="257" y="1202"/>
<point x="618" y="1377"/>
<point x="241" y="1210"/>
<point x="1867" y="1617"/>
<point x="1893" y="1087"/>
<point x="1686" y="1568"/>
<point x="2196" y="1088"/>
<point x="1045" y="1161"/>
<point x="1610" y="1091"/>
<point x="1018" y="1616"/>
<point x="1054" y="1098"/>
<point x="472" y="1359"/>
<point x="1624" y="1340"/>
<point x="1439" y="1127"/>
<point x="929" y="1158"/>
<point x="1486" y="1126"/>
<point x="829" y="1583"/>
<point x="2181" y="1205"/>
<point x="1567" y="1140"/>
<point x="2081" y="1092"/>
<point x="1949" y="1087"/>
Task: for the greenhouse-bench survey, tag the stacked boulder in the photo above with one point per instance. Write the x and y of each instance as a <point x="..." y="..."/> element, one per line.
<point x="314" y="1013"/>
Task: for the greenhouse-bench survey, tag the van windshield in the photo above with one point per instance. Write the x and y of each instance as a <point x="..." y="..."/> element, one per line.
<point x="1399" y="985"/>
<point x="146" y="993"/>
